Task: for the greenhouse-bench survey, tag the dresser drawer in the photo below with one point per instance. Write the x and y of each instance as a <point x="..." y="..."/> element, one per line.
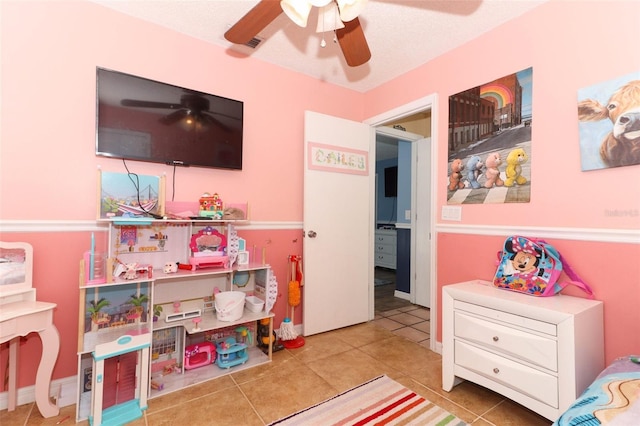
<point x="529" y="381"/>
<point x="527" y="347"/>
<point x="385" y="260"/>
<point x="386" y="238"/>
<point x="385" y="249"/>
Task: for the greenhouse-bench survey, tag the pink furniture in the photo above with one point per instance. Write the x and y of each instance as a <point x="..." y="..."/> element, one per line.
<point x="21" y="314"/>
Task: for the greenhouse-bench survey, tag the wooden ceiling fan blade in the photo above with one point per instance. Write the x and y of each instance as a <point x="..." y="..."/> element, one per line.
<point x="254" y="21"/>
<point x="353" y="43"/>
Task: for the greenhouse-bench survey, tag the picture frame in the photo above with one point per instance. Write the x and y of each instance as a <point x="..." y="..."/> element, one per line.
<point x="130" y="195"/>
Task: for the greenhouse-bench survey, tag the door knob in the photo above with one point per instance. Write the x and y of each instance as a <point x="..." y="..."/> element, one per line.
<point x="312" y="234"/>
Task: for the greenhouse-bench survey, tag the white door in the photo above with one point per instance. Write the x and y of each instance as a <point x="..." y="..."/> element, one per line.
<point x="338" y="223"/>
<point x="421" y="231"/>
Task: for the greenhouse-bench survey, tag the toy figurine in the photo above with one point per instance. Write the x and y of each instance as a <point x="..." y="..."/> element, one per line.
<point x="264" y="339"/>
<point x="131" y="273"/>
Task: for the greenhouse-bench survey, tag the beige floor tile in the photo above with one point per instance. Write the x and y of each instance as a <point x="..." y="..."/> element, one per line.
<point x="284" y="394"/>
<point x="320" y="346"/>
<point x="349" y="369"/>
<point x="412" y="334"/>
<point x="509" y="413"/>
<point x="405" y="318"/>
<point x="388" y="324"/>
<point x="425" y="314"/>
<point x="424" y="326"/>
<point x="226" y="407"/>
<point x="362" y="334"/>
<point x="400" y="353"/>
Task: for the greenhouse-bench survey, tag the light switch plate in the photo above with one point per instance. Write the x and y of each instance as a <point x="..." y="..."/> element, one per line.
<point x="407" y="215"/>
<point x="452" y="213"/>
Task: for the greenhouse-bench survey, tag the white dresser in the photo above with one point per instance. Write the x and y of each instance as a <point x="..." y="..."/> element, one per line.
<point x="541" y="352"/>
<point x="385" y="248"/>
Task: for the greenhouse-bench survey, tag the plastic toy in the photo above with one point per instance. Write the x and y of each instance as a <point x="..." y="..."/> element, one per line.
<point x="199" y="355"/>
<point x="129" y="410"/>
<point x="230" y="353"/>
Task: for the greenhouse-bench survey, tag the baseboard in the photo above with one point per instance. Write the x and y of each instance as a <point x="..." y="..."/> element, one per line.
<point x="63" y="391"/>
<point x="402" y="295"/>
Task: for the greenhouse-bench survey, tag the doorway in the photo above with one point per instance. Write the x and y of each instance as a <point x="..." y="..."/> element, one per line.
<point x="423" y="255"/>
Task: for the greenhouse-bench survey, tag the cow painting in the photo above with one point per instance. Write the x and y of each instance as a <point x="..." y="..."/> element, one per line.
<point x="621" y="145"/>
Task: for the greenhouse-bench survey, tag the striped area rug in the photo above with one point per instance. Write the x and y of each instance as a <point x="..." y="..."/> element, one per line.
<point x="380" y="401"/>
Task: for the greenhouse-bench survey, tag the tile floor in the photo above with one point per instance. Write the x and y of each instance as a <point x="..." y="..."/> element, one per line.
<point x="395" y="343"/>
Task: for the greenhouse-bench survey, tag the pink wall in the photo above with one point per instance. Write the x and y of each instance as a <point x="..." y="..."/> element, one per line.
<point x="611" y="270"/>
<point x="47" y="163"/>
<point x="566" y="44"/>
<point x="50" y="51"/>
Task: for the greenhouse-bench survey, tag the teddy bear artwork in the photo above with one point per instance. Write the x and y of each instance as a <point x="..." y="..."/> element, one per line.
<point x="474" y="171"/>
<point x="516" y="158"/>
<point x="455" y="178"/>
<point x="492" y="173"/>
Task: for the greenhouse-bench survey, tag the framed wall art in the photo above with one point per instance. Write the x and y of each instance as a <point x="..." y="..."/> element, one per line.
<point x="489" y="143"/>
<point x="130" y="195"/>
<point x="609" y="123"/>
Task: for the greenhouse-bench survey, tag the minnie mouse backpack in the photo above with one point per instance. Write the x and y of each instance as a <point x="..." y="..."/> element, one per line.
<point x="533" y="266"/>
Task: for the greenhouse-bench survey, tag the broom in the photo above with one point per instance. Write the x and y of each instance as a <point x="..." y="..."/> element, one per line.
<point x="287" y="331"/>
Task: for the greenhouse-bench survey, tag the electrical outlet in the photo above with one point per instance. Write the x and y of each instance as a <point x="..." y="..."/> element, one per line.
<point x="407" y="215"/>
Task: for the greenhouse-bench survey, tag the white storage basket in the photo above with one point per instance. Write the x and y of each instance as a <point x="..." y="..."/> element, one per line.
<point x="229" y="305"/>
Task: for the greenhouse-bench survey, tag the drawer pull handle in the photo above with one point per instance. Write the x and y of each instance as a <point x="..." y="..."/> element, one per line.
<point x="496" y="370"/>
<point x="496" y="338"/>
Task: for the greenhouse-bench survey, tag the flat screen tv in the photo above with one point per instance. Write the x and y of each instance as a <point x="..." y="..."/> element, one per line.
<point x="391" y="181"/>
<point x="146" y="120"/>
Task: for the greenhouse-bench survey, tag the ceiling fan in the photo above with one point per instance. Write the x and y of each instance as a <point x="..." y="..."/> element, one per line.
<point x="192" y="108"/>
<point x="348" y="30"/>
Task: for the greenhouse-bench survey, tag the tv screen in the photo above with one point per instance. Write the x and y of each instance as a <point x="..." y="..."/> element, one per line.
<point x="391" y="181"/>
<point x="146" y="120"/>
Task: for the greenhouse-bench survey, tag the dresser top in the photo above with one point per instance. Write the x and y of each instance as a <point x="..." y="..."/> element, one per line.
<point x="553" y="308"/>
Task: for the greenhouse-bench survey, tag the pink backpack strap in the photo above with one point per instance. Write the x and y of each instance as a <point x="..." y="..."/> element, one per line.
<point x="575" y="278"/>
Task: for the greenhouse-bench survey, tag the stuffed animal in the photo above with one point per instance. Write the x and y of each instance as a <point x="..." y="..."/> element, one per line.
<point x="515" y="159"/>
<point x="132" y="271"/>
<point x="170" y="267"/>
<point x="233" y="213"/>
<point x="474" y="171"/>
<point x="492" y="163"/>
<point x="455" y="178"/>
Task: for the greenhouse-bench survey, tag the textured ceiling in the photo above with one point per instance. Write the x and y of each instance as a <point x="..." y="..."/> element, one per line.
<point x="402" y="35"/>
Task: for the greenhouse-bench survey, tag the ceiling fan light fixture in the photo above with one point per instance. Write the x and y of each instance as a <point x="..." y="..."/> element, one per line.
<point x="297" y="11"/>
<point x="328" y="19"/>
<point x="350" y="9"/>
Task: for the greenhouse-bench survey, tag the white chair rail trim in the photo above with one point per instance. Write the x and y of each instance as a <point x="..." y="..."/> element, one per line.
<point x="630" y="236"/>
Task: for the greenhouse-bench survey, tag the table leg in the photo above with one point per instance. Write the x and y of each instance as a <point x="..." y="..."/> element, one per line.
<point x="50" y="348"/>
<point x="14" y="346"/>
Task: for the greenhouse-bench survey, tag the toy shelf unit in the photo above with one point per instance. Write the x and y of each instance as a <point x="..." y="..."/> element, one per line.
<point x="174" y="311"/>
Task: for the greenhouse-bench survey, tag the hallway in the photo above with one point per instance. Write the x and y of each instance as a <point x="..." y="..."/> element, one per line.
<point x="397" y="315"/>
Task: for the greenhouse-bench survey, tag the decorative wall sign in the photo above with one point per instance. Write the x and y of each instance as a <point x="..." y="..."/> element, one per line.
<point x="337" y="159"/>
